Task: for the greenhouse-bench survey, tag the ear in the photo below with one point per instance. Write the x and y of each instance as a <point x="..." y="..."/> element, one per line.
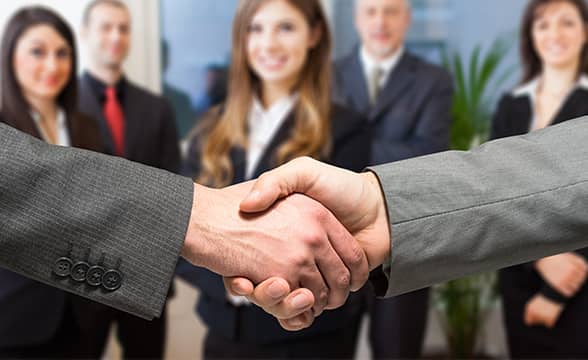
<point x="315" y="36"/>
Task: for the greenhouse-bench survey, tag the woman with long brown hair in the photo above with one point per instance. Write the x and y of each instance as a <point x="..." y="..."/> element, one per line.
<point x="278" y="108"/>
<point x="546" y="301"/>
<point x="39" y="97"/>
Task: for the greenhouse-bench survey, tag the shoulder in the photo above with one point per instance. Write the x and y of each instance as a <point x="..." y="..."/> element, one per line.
<point x="427" y="71"/>
<point x="345" y="62"/>
<point x="140" y="94"/>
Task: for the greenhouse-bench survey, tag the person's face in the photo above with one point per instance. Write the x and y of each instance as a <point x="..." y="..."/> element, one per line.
<point x="278" y="41"/>
<point x="42" y="63"/>
<point x="107" y="35"/>
<point x="382" y="25"/>
<point x="559" y="34"/>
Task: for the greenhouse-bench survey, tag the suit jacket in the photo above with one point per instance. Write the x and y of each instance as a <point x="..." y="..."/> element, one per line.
<point x="412" y="114"/>
<point x="150" y="130"/>
<point x="507" y="202"/>
<point x="250" y="323"/>
<point x="520" y="283"/>
<point x="60" y="202"/>
<point x="19" y="296"/>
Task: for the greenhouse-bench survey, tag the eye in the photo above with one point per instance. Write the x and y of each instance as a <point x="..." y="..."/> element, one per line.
<point x="37" y="52"/>
<point x="254" y="28"/>
<point x="541" y="25"/>
<point x="287" y="26"/>
<point x="63" y="53"/>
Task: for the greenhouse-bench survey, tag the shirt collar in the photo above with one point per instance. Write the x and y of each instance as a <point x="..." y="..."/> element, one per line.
<point x="529" y="89"/>
<point x="278" y="110"/>
<point x="387" y="65"/>
<point x="62" y="129"/>
<point x="99" y="87"/>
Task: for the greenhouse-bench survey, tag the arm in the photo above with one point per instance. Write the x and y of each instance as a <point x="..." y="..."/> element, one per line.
<point x="504" y="203"/>
<point x="60" y="202"/>
<point x="53" y="198"/>
<point x="431" y="132"/>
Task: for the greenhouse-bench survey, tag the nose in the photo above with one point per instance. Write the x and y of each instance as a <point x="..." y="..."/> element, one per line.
<point x="52" y="63"/>
<point x="268" y="40"/>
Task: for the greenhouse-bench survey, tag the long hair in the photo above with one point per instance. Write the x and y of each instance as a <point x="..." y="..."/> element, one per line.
<point x="13" y="105"/>
<point x="311" y="131"/>
<point x="532" y="65"/>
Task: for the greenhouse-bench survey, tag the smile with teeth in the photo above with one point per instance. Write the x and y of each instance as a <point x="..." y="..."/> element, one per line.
<point x="555" y="48"/>
<point x="272" y="63"/>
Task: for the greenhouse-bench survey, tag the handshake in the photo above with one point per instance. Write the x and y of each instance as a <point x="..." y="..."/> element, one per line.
<point x="305" y="234"/>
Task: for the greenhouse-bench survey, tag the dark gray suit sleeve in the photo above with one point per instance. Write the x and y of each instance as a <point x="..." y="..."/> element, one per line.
<point x="62" y="202"/>
<point x="507" y="202"/>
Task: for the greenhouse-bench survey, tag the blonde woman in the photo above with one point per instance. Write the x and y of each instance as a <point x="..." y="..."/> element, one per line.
<point x="278" y="108"/>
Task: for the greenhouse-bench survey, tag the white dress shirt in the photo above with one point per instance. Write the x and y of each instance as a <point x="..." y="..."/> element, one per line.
<point x="263" y="125"/>
<point x="62" y="130"/>
<point x="530" y="89"/>
<point x="387" y="65"/>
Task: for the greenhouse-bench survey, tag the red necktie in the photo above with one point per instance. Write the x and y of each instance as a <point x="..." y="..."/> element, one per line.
<point x="116" y="120"/>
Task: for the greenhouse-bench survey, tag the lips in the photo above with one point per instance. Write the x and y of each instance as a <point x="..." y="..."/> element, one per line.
<point x="272" y="63"/>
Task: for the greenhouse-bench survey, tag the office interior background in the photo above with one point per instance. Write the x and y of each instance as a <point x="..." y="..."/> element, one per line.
<point x="177" y="44"/>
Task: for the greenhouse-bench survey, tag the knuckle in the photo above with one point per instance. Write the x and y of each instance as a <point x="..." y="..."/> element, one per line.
<point x="344" y="280"/>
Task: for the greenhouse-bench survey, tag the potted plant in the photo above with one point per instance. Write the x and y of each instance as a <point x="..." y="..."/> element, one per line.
<point x="463" y="304"/>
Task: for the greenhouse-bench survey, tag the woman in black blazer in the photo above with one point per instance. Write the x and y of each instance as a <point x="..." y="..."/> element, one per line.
<point x="546" y="301"/>
<point x="278" y="108"/>
<point x="39" y="97"/>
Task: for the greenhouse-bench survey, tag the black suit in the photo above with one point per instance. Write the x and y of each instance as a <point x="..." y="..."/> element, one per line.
<point x="518" y="284"/>
<point x="249" y="332"/>
<point x="410" y="117"/>
<point x="35" y="319"/>
<point x="150" y="139"/>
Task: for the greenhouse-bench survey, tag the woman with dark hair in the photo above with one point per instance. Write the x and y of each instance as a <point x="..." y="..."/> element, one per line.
<point x="546" y="301"/>
<point x="39" y="96"/>
<point x="278" y="107"/>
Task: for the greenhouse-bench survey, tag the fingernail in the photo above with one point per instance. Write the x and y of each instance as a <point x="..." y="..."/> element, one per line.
<point x="276" y="290"/>
<point x="300" y="301"/>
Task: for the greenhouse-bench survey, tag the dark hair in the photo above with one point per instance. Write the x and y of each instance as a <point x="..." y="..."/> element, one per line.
<point x="13" y="105"/>
<point x="93" y="4"/>
<point x="530" y="59"/>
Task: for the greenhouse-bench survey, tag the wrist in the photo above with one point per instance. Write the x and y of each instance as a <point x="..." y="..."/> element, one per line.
<point x="193" y="248"/>
<point x="382" y="239"/>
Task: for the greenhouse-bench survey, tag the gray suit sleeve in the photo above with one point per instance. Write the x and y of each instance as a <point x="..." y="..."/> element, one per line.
<point x="61" y="202"/>
<point x="507" y="202"/>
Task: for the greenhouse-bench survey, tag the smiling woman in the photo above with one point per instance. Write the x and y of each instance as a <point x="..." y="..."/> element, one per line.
<point x="278" y="108"/>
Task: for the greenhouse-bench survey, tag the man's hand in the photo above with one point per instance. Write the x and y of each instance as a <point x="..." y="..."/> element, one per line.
<point x="355" y="199"/>
<point x="565" y="272"/>
<point x="542" y="311"/>
<point x="296" y="239"/>
<point x="293" y="309"/>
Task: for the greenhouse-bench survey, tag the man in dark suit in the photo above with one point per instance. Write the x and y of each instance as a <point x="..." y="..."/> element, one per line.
<point x="407" y="103"/>
<point x="135" y="124"/>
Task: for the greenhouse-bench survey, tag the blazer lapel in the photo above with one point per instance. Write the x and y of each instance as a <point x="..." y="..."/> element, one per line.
<point x="90" y="105"/>
<point x="133" y="119"/>
<point x="238" y="160"/>
<point x="401" y="77"/>
<point x="268" y="159"/>
<point x="356" y="85"/>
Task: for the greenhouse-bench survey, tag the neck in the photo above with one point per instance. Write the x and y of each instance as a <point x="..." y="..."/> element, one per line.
<point x="46" y="108"/>
<point x="109" y="75"/>
<point x="270" y="94"/>
<point x="558" y="80"/>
